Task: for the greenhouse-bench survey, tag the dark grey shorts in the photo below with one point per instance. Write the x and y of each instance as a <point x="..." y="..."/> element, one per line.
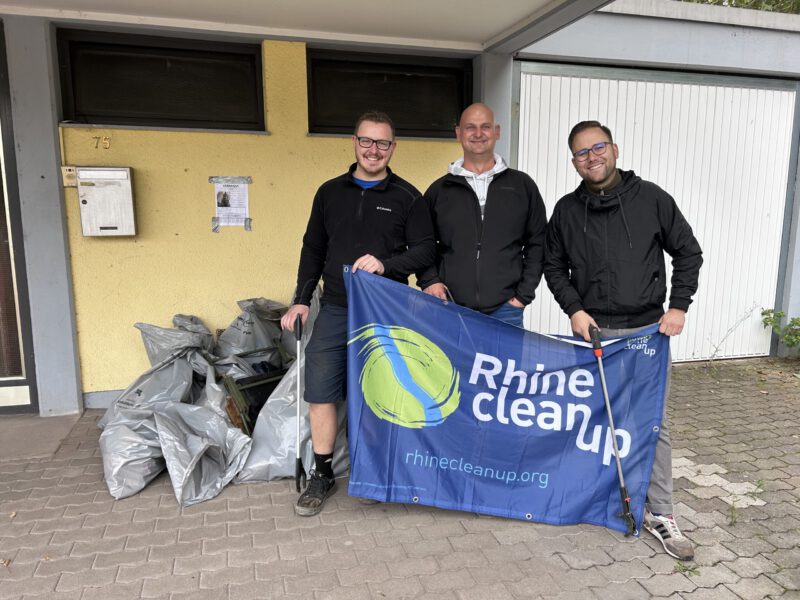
<point x="326" y="357"/>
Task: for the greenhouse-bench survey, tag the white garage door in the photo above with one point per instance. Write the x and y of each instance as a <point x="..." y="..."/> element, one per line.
<point x="720" y="146"/>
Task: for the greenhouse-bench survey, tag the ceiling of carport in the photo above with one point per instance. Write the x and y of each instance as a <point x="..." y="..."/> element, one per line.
<point x="460" y="26"/>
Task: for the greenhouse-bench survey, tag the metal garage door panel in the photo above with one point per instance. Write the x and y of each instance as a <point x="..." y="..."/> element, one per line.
<point x="720" y="146"/>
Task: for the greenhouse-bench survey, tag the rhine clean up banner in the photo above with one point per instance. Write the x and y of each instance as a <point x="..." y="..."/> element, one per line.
<point x="450" y="408"/>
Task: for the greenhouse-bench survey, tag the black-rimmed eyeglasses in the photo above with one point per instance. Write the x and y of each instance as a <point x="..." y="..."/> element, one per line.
<point x="598" y="150"/>
<point x="366" y="142"/>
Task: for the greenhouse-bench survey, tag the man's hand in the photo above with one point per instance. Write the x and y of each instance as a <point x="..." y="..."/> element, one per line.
<point x="287" y="320"/>
<point x="580" y="322"/>
<point x="672" y="322"/>
<point x="516" y="303"/>
<point x="438" y="290"/>
<point x="368" y="263"/>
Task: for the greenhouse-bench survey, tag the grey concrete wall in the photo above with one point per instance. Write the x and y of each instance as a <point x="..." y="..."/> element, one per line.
<point x="33" y="80"/>
<point x="634" y="40"/>
<point x="493" y="86"/>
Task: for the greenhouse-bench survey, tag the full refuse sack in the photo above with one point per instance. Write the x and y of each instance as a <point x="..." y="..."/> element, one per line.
<point x="146" y="428"/>
<point x="255" y="335"/>
<point x="273" y="452"/>
<point x="203" y="452"/>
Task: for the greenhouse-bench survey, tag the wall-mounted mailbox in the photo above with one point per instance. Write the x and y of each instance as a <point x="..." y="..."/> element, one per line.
<point x="106" y="201"/>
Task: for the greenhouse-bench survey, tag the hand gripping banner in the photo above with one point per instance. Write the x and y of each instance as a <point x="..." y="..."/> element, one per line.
<point x="450" y="408"/>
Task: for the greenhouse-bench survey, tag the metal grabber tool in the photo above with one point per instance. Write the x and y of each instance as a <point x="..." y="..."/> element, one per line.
<point x="299" y="471"/>
<point x="627" y="515"/>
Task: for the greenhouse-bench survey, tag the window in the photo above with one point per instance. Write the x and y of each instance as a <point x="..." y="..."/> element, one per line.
<point x="423" y="96"/>
<point x="116" y="79"/>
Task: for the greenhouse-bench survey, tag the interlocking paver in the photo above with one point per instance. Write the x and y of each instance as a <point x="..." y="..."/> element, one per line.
<point x="730" y="444"/>
<point x="758" y="587"/>
<point x="159" y="586"/>
<point x="495" y="591"/>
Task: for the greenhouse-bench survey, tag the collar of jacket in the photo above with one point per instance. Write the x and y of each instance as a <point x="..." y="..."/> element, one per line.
<point x="462" y="181"/>
<point x="380" y="186"/>
<point x="611" y="198"/>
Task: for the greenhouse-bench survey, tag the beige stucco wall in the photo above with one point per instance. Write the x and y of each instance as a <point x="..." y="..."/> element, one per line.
<point x="175" y="264"/>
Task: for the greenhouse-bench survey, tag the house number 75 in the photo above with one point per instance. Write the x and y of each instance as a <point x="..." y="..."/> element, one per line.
<point x="102" y="142"/>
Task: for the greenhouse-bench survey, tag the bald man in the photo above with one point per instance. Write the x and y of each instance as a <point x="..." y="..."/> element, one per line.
<point x="489" y="223"/>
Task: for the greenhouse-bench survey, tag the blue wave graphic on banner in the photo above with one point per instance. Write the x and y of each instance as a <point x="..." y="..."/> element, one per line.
<point x="448" y="407"/>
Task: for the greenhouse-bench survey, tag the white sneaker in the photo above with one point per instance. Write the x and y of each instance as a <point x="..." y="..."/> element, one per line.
<point x="666" y="531"/>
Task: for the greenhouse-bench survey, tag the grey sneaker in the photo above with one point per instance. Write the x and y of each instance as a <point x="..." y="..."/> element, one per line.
<point x="312" y="500"/>
<point x="666" y="531"/>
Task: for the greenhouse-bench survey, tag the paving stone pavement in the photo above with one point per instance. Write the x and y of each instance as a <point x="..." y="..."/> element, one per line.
<point x="736" y="439"/>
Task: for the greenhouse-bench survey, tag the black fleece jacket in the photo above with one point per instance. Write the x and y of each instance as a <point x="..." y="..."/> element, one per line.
<point x="389" y="221"/>
<point x="605" y="253"/>
<point x="485" y="263"/>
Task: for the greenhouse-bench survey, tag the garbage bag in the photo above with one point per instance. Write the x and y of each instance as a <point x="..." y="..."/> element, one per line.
<point x="164" y="383"/>
<point x="234" y="367"/>
<point x="254" y="332"/>
<point x="202" y="451"/>
<point x="162" y="342"/>
<point x="273" y="453"/>
<point x="212" y="395"/>
<point x="131" y="452"/>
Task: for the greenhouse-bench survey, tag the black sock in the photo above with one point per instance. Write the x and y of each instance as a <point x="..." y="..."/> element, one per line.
<point x="323" y="464"/>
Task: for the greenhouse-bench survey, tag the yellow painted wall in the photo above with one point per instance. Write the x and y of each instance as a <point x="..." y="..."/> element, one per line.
<point x="175" y="264"/>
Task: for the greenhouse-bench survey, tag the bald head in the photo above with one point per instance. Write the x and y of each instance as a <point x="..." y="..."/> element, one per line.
<point x="476" y="110"/>
<point x="478" y="133"/>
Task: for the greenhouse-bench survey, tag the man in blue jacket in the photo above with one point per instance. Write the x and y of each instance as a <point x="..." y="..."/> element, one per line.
<point x="376" y="221"/>
<point x="604" y="264"/>
<point x="489" y="223"/>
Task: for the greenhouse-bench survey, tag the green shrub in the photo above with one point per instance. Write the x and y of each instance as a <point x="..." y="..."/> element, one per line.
<point x="788" y="334"/>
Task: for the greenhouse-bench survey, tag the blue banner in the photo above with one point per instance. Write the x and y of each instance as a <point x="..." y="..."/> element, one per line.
<point x="448" y="407"/>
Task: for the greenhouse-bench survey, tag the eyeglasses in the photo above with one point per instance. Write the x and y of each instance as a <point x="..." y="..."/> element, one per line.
<point x="598" y="150"/>
<point x="366" y="142"/>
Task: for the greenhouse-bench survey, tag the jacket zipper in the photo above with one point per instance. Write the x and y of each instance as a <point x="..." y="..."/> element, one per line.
<point x="608" y="267"/>
<point x="479" y="235"/>
<point x="360" y="212"/>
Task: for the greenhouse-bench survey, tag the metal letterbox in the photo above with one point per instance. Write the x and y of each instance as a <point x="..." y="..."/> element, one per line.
<point x="106" y="201"/>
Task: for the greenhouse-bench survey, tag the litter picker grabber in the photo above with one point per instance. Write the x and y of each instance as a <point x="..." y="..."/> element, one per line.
<point x="299" y="471"/>
<point x="627" y="516"/>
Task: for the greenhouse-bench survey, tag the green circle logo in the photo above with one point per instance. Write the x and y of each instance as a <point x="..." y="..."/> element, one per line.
<point x="406" y="379"/>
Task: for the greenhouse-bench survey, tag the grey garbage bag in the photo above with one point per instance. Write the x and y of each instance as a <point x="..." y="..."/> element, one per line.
<point x="213" y="395"/>
<point x="161" y="342"/>
<point x="256" y="329"/>
<point x="202" y="451"/>
<point x="164" y="383"/>
<point x="273" y="453"/>
<point x="131" y="452"/>
<point x="129" y="443"/>
<point x="234" y="367"/>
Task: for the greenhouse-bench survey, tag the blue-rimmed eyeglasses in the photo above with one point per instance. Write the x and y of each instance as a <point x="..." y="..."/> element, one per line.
<point x="366" y="142"/>
<point x="598" y="150"/>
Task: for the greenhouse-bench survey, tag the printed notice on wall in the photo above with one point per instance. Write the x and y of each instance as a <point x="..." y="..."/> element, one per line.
<point x="231" y="202"/>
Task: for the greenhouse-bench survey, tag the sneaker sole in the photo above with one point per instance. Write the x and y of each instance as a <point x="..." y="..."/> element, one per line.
<point x="310" y="511"/>
<point x="657" y="535"/>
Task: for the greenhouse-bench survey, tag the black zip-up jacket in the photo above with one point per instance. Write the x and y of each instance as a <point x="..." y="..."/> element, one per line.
<point x="388" y="220"/>
<point x="605" y="253"/>
<point x="485" y="263"/>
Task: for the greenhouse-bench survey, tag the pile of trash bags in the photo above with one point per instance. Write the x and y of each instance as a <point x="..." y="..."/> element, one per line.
<point x="178" y="414"/>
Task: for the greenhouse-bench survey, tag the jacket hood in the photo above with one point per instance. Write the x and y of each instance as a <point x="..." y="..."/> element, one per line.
<point x="610" y="198"/>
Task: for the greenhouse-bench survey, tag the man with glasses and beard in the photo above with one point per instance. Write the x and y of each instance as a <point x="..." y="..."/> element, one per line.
<point x="604" y="263"/>
<point x="376" y="221"/>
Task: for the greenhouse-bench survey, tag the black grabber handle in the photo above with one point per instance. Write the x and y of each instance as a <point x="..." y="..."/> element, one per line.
<point x="299" y="471"/>
<point x="594" y="333"/>
<point x="298" y="328"/>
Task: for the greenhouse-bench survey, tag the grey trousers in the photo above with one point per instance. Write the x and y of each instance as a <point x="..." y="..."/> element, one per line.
<point x="659" y="492"/>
